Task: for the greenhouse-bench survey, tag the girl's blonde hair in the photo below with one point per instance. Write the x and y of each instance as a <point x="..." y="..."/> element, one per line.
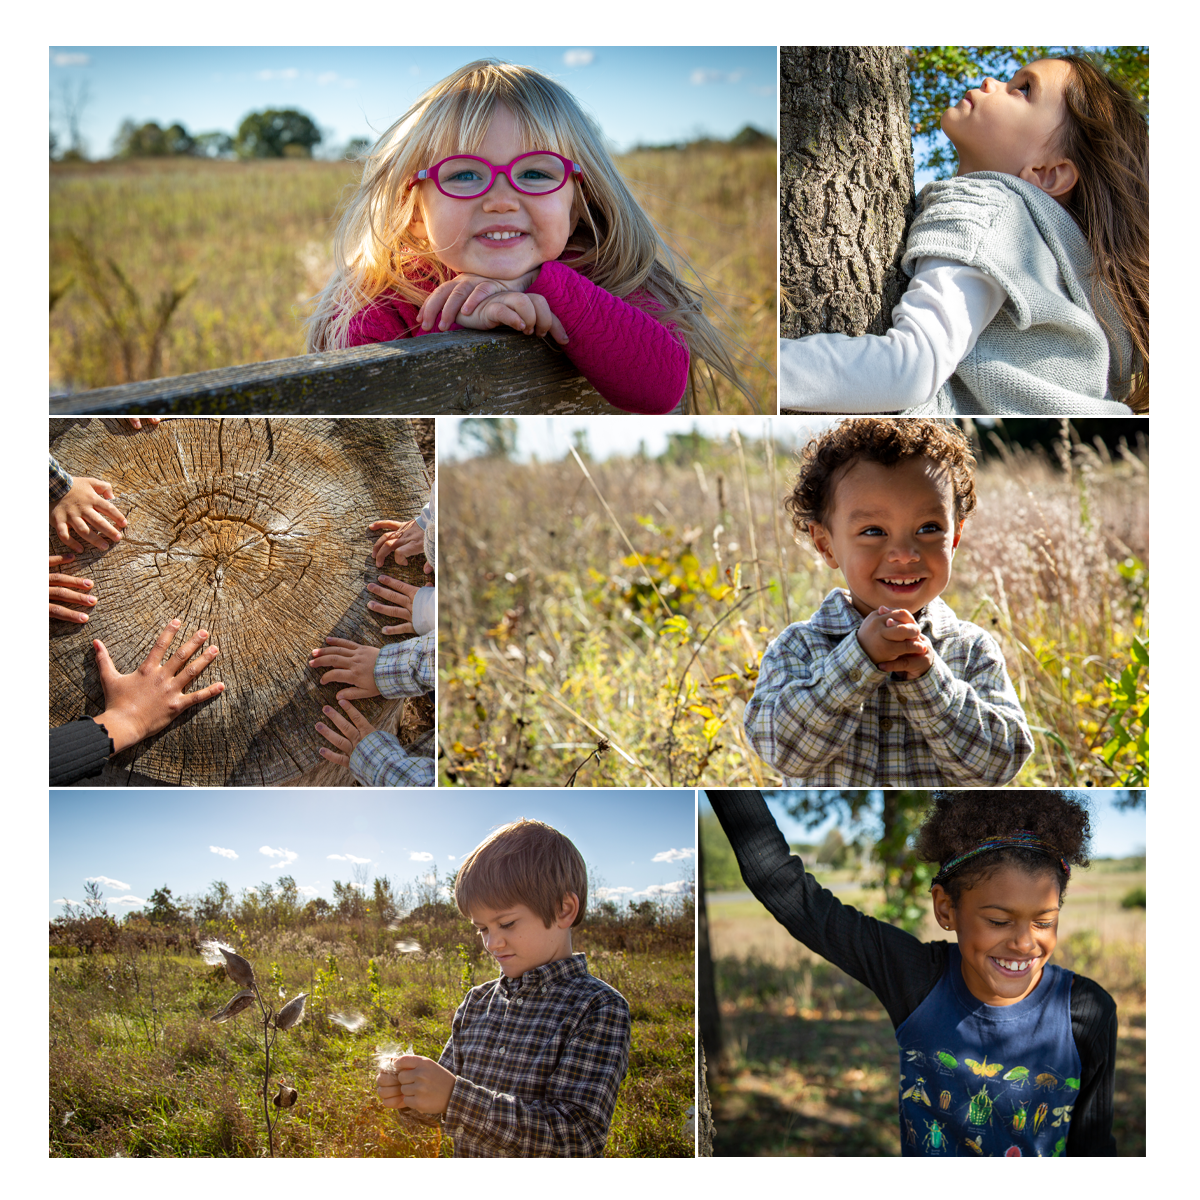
<point x="614" y="244"/>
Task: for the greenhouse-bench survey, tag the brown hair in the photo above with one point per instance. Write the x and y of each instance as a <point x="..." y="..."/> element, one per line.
<point x="1107" y="137"/>
<point x="959" y="821"/>
<point x="525" y="862"/>
<point x="884" y="440"/>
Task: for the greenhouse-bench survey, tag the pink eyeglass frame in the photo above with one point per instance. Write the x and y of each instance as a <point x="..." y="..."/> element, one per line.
<point x="506" y="170"/>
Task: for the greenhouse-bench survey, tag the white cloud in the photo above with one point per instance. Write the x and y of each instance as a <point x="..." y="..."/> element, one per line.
<point x="307" y="891"/>
<point x="420" y="856"/>
<point x="450" y="857"/>
<point x="348" y="858"/>
<point x="327" y="77"/>
<point x="108" y="883"/>
<point x="223" y="852"/>
<point x="703" y="75"/>
<point x="680" y="887"/>
<point x="288" y="856"/>
<point x="579" y="58"/>
<point x="607" y="893"/>
<point x="674" y="855"/>
<point x="362" y="887"/>
<point x="70" y="60"/>
<point x="132" y="901"/>
<point x="64" y="900"/>
<point x="286" y="73"/>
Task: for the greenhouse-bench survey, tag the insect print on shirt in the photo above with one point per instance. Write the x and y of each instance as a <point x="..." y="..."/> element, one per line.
<point x="986" y="1069"/>
<point x="1013" y="1152"/>
<point x="1063" y="1116"/>
<point x="1072" y="1083"/>
<point x="1018" y="1077"/>
<point x="917" y="1092"/>
<point x="944" y="1101"/>
<point x="980" y="1110"/>
<point x="935" y="1138"/>
<point x="975" y="1144"/>
<point x="1039" y="1117"/>
<point x="1047" y="1081"/>
<point x="910" y="1132"/>
<point x="1018" y="1118"/>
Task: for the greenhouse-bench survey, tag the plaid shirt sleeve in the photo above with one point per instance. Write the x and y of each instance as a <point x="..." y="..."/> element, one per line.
<point x="573" y="1116"/>
<point x="60" y="482"/>
<point x="808" y="701"/>
<point x="968" y="713"/>
<point x="380" y="761"/>
<point x="406" y="668"/>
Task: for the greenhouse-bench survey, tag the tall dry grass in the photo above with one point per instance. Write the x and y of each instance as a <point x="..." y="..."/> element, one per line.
<point x="243" y="245"/>
<point x="555" y="643"/>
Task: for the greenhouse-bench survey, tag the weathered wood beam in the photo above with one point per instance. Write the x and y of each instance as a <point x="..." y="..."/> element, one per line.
<point x="498" y="373"/>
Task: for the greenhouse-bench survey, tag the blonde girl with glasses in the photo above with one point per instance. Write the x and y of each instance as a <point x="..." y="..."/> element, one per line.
<point x="493" y="201"/>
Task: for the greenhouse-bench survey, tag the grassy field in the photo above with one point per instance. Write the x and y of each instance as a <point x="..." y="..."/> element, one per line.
<point x="138" y="1069"/>
<point x="164" y="267"/>
<point x="553" y="638"/>
<point x="810" y="1060"/>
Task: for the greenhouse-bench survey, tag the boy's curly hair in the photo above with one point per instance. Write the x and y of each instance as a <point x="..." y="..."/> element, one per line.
<point x="885" y="440"/>
<point x="959" y="821"/>
<point x="524" y="862"/>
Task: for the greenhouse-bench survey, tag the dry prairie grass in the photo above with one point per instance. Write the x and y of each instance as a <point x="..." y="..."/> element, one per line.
<point x="553" y="638"/>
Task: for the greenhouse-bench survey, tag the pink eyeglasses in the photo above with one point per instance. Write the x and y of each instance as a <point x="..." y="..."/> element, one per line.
<point x="467" y="176"/>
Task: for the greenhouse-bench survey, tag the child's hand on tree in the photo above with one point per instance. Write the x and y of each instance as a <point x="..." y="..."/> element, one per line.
<point x="404" y="538"/>
<point x="349" y="662"/>
<point x="399" y="598"/>
<point x="352" y="732"/>
<point x="417" y="1082"/>
<point x="68" y="589"/>
<point x="87" y="509"/>
<point x="894" y="642"/>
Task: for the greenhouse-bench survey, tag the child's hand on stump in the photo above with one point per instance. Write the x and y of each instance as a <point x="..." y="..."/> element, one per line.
<point x="404" y="538"/>
<point x="68" y="589"/>
<point x="399" y="596"/>
<point x="87" y="510"/>
<point x="418" y="1083"/>
<point x="351" y="732"/>
<point x="349" y="662"/>
<point x="894" y="642"/>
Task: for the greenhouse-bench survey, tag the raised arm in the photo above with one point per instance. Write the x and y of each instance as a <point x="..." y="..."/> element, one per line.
<point x="1094" y="1025"/>
<point x="634" y="361"/>
<point x="969" y="714"/>
<point x="572" y="1118"/>
<point x="898" y="968"/>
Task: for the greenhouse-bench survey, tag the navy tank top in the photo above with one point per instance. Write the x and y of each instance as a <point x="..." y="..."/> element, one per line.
<point x="976" y="1079"/>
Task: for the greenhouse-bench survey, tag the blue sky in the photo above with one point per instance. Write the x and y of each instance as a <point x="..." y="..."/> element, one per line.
<point x="639" y="843"/>
<point x="1115" y="834"/>
<point x="646" y="94"/>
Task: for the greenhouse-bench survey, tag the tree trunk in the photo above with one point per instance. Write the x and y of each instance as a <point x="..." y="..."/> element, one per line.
<point x="710" y="1014"/>
<point x="846" y="187"/>
<point x="704" y="1122"/>
<point x="255" y="530"/>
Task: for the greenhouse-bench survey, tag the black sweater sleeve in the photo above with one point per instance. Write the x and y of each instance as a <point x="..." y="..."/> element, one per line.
<point x="1094" y="1024"/>
<point x="897" y="967"/>
<point x="78" y="750"/>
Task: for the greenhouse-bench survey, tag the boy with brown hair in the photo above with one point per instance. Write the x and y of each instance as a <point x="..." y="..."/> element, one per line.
<point x="535" y="1057"/>
<point x="884" y="685"/>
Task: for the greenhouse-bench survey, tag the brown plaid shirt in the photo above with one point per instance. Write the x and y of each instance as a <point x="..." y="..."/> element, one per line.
<point x="539" y="1060"/>
<point x="824" y="715"/>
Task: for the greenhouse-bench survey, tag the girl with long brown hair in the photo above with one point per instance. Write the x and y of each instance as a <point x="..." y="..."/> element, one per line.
<point x="1030" y="269"/>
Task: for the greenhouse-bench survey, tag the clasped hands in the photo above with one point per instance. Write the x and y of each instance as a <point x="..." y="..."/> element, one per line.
<point x="479" y="303"/>
<point x="415" y="1082"/>
<point x="894" y="642"/>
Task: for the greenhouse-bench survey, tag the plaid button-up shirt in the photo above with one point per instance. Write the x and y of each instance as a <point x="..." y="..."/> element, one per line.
<point x="824" y="715"/>
<point x="538" y="1062"/>
<point x="379" y="760"/>
<point x="60" y="481"/>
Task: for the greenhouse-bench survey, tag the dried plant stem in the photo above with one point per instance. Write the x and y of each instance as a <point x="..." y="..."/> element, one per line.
<point x="758" y="583"/>
<point x="769" y="443"/>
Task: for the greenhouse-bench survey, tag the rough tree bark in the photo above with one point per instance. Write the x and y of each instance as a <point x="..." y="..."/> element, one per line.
<point x="255" y="530"/>
<point x="846" y="187"/>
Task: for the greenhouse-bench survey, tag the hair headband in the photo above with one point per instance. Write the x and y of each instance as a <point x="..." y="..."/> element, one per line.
<point x="1022" y="839"/>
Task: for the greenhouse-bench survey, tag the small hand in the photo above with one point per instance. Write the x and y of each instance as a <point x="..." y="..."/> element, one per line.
<point x="399" y="596"/>
<point x="897" y="644"/>
<point x="403" y="539"/>
<point x="464" y="294"/>
<point x="348" y="662"/>
<point x="150" y="698"/>
<point x="135" y="423"/>
<point x="350" y="736"/>
<point x="418" y="1083"/>
<point x="526" y="313"/>
<point x="68" y="589"/>
<point x="87" y="509"/>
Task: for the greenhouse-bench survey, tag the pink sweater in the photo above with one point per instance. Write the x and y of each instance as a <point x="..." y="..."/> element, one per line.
<point x="631" y="359"/>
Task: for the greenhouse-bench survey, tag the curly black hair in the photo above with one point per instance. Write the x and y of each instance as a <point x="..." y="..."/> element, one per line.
<point x="959" y="821"/>
<point x="887" y="441"/>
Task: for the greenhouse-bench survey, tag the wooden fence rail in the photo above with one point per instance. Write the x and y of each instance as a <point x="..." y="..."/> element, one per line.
<point x="499" y="373"/>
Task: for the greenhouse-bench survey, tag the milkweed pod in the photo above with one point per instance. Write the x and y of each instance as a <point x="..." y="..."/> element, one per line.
<point x="291" y="1013"/>
<point x="408" y="947"/>
<point x="286" y="1096"/>
<point x="238" y="1004"/>
<point x="238" y="968"/>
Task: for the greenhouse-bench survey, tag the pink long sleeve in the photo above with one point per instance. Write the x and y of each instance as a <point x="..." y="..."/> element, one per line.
<point x="387" y="319"/>
<point x="631" y="359"/>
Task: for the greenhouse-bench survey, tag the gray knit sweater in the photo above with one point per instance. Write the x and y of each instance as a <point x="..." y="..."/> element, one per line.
<point x="1045" y="353"/>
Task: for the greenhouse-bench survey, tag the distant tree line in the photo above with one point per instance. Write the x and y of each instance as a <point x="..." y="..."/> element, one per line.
<point x="272" y="133"/>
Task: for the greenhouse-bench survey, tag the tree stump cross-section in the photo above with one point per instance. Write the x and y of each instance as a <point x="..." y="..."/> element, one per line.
<point x="256" y="530"/>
